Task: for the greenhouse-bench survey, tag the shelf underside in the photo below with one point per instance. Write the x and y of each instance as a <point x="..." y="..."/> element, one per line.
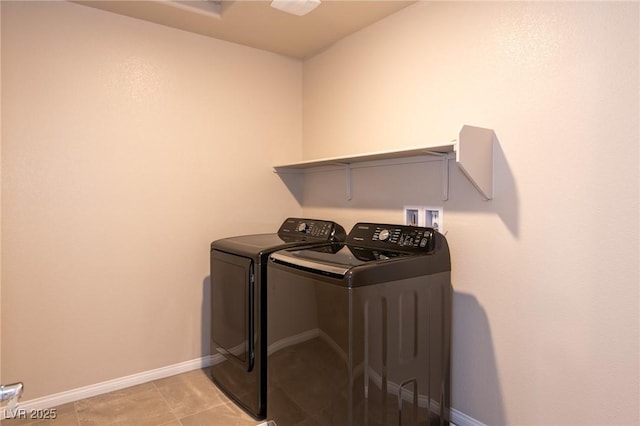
<point x="372" y="156"/>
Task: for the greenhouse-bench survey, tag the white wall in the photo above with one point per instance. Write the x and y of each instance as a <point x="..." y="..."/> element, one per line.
<point x="1" y="379"/>
<point x="546" y="275"/>
<point x="127" y="147"/>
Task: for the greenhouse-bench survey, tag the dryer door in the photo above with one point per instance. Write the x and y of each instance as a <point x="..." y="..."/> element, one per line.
<point x="232" y="301"/>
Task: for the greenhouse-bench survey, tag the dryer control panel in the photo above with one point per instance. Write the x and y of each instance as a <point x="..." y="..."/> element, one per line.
<point x="300" y="229"/>
<point x="392" y="237"/>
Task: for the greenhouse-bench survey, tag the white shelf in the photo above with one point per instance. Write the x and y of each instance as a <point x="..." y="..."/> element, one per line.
<point x="474" y="155"/>
<point x="371" y="156"/>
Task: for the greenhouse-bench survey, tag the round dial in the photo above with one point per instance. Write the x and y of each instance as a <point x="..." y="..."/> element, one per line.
<point x="302" y="227"/>
<point x="384" y="235"/>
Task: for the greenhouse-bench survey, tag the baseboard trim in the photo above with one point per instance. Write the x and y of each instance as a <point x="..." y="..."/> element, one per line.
<point x="77" y="394"/>
<point x="458" y="418"/>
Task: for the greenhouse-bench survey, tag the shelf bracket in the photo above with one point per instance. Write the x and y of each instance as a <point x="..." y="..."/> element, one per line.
<point x="347" y="175"/>
<point x="445" y="172"/>
<point x="474" y="155"/>
<point x="347" y="171"/>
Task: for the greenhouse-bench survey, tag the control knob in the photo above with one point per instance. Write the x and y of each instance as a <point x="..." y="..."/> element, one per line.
<point x="384" y="235"/>
<point x="302" y="227"/>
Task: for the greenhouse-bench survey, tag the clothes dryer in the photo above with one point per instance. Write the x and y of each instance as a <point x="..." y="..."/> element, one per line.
<point x="238" y="306"/>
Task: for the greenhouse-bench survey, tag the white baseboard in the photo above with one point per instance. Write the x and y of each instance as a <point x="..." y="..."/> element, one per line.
<point x="77" y="394"/>
<point x="458" y="418"/>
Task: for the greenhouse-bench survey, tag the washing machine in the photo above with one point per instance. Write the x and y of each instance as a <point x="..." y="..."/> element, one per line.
<point x="359" y="333"/>
<point x="238" y="314"/>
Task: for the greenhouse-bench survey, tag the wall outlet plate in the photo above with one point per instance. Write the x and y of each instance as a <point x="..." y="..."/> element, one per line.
<point x="429" y="216"/>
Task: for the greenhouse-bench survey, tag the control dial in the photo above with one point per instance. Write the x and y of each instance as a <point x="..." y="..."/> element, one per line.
<point x="384" y="235"/>
<point x="302" y="227"/>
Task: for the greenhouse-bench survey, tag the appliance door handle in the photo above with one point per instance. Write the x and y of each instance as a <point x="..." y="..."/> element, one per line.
<point x="285" y="258"/>
<point x="233" y="308"/>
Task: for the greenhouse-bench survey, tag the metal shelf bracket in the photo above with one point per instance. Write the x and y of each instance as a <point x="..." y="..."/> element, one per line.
<point x="347" y="175"/>
<point x="445" y="172"/>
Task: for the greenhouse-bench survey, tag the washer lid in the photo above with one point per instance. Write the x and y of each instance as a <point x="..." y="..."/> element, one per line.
<point x="293" y="232"/>
<point x="251" y="245"/>
<point x="335" y="259"/>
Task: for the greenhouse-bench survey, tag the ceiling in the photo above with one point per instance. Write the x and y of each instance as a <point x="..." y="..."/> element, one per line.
<point x="256" y="23"/>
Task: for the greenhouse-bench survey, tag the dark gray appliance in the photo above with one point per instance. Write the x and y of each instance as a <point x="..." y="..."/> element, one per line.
<point x="238" y="280"/>
<point x="360" y="333"/>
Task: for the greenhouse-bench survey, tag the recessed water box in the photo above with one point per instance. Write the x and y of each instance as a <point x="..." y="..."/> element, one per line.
<point x="430" y="216"/>
<point x="412" y="216"/>
<point x="434" y="218"/>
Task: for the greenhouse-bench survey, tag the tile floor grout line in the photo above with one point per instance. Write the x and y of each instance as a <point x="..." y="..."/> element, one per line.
<point x="166" y="403"/>
<point x="155" y="386"/>
<point x="195" y="413"/>
<point x="179" y="419"/>
<point x="75" y="411"/>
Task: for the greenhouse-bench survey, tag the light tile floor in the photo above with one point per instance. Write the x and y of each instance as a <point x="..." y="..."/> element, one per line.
<point x="189" y="399"/>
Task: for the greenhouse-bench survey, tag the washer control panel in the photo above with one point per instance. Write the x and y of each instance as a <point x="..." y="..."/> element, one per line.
<point x="392" y="237"/>
<point x="300" y="229"/>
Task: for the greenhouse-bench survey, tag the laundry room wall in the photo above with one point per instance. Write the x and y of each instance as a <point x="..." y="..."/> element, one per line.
<point x="127" y="147"/>
<point x="1" y="379"/>
<point x="546" y="306"/>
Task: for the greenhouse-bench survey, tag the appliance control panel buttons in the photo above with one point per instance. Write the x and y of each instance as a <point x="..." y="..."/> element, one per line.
<point x="394" y="237"/>
<point x="384" y="235"/>
<point x="297" y="229"/>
